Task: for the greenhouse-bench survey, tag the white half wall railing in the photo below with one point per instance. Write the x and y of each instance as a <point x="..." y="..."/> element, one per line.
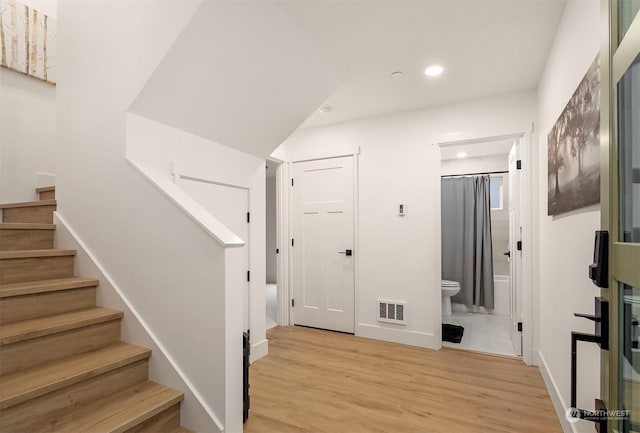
<point x="231" y="374"/>
<point x="190" y="206"/>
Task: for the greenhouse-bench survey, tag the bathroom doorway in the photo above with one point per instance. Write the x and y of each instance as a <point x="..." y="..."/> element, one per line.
<point x="481" y="262"/>
<point x="272" y="248"/>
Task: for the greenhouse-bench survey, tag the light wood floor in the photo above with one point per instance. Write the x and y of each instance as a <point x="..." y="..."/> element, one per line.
<point x="320" y="381"/>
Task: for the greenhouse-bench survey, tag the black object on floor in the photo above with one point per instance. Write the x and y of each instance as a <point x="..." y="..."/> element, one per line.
<point x="246" y="352"/>
<point x="452" y="333"/>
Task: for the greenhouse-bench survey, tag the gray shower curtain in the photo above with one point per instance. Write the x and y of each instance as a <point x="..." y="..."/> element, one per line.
<point x="467" y="255"/>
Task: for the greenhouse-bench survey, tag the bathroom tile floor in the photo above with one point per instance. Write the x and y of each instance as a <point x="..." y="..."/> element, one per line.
<point x="482" y="332"/>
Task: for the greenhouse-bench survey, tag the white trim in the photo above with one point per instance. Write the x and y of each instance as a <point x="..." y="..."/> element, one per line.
<point x="402" y="336"/>
<point x="554" y="393"/>
<point x="259" y="350"/>
<point x="140" y="320"/>
<point x="526" y="222"/>
<point x="212" y="182"/>
<point x="356" y="238"/>
<point x="480" y="140"/>
<point x="282" y="241"/>
<point x="274" y="159"/>
<point x="320" y="158"/>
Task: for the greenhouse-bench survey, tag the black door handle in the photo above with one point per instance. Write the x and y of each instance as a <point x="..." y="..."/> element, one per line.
<point x="508" y="254"/>
<point x="601" y="338"/>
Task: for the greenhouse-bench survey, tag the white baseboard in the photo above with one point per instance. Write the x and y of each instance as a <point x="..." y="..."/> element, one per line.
<point x="258" y="350"/>
<point x="554" y="393"/>
<point x="196" y="414"/>
<point x="412" y="338"/>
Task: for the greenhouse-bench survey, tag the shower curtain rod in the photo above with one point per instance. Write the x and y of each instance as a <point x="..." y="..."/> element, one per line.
<point x="476" y="174"/>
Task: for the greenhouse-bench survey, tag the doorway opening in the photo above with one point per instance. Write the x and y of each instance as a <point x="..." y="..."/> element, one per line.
<point x="272" y="248"/>
<point x="481" y="197"/>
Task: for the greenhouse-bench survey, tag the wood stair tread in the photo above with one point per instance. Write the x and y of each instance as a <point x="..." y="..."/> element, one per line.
<point x="118" y="412"/>
<point x="24" y="385"/>
<point x="34" y="287"/>
<point x="182" y="430"/>
<point x="28" y="204"/>
<point x="33" y="328"/>
<point x="24" y="254"/>
<point x="46" y="188"/>
<point x="27" y="226"/>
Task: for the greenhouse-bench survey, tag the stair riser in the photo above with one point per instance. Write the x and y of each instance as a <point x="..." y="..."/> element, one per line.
<point x="11" y="240"/>
<point x="43" y="304"/>
<point x="165" y="421"/>
<point x="47" y="195"/>
<point x="31" y="415"/>
<point x="37" y="351"/>
<point x="31" y="214"/>
<point x="35" y="269"/>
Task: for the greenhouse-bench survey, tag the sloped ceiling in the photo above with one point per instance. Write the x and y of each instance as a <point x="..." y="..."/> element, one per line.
<point x="240" y="74"/>
<point x="487" y="47"/>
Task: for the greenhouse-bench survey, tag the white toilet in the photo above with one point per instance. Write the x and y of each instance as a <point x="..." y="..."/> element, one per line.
<point x="449" y="289"/>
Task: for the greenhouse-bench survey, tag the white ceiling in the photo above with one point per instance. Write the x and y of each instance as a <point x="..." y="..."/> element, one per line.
<point x="486" y="47"/>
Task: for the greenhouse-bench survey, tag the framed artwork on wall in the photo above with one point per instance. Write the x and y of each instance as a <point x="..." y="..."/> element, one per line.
<point x="574" y="149"/>
<point x="28" y="40"/>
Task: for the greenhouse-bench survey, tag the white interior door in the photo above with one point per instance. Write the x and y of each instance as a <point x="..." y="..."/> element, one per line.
<point x="322" y="268"/>
<point x="515" y="260"/>
<point x="230" y="206"/>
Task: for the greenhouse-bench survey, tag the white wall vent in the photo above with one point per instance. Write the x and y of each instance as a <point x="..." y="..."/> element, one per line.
<point x="392" y="311"/>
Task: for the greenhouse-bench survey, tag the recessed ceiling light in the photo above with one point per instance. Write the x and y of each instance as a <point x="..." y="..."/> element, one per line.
<point x="326" y="109"/>
<point x="433" y="71"/>
<point x="461" y="155"/>
<point x="396" y="74"/>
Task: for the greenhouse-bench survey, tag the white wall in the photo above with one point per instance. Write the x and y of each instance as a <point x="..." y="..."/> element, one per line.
<point x="271" y="230"/>
<point x="241" y="74"/>
<point x="566" y="242"/>
<point x="27" y="135"/>
<point x="399" y="257"/>
<point x="164" y="263"/>
<point x="475" y="165"/>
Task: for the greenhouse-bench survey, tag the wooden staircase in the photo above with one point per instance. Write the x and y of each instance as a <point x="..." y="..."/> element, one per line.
<point x="63" y="367"/>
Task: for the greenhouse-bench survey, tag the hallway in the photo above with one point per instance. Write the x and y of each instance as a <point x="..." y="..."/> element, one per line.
<point x="320" y="381"/>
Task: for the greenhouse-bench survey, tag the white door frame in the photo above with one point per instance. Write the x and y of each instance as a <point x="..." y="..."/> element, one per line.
<point x="526" y="218"/>
<point x="259" y="344"/>
<point x="284" y="220"/>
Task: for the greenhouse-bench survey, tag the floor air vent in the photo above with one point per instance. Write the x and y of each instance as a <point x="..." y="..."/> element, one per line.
<point x="392" y="311"/>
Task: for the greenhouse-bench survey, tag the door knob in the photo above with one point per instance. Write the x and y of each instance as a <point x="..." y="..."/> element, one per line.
<point x="507" y="253"/>
<point x="346" y="252"/>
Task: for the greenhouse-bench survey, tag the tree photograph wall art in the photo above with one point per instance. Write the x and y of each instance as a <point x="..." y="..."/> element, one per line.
<point x="574" y="149"/>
